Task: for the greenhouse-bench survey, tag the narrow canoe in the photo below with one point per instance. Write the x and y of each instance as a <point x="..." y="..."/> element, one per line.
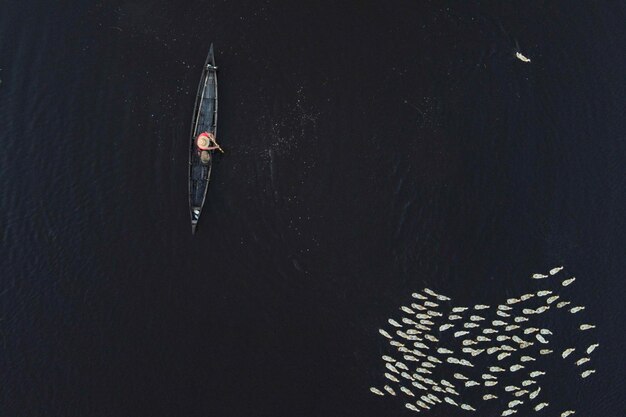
<point x="203" y="129"/>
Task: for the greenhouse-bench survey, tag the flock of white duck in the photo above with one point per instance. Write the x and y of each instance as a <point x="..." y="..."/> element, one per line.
<point x="482" y="351"/>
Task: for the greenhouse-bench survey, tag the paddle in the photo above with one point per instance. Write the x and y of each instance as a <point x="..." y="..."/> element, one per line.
<point x="219" y="148"/>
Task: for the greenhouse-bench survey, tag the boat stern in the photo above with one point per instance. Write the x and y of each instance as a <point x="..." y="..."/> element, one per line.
<point x="195" y="216"/>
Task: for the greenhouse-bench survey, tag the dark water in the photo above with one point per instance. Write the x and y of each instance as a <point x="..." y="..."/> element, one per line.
<point x="373" y="148"/>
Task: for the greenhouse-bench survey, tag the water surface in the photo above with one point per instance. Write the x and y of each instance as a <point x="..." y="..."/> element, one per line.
<point x="372" y="149"/>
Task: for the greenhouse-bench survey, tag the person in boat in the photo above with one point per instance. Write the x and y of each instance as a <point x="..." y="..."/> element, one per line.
<point x="206" y="142"/>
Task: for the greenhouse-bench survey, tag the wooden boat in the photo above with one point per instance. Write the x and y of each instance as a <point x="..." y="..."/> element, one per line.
<point x="202" y="143"/>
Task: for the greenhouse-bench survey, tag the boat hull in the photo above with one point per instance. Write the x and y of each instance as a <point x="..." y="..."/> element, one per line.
<point x="204" y="120"/>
